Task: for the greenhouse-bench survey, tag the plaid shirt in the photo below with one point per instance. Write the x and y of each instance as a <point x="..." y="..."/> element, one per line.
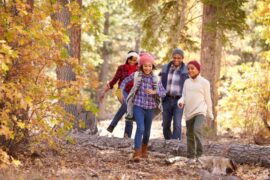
<point x="119" y="76"/>
<point x="173" y="86"/>
<point x="146" y="101"/>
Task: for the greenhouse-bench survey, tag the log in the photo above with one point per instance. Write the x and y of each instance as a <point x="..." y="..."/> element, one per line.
<point x="240" y="153"/>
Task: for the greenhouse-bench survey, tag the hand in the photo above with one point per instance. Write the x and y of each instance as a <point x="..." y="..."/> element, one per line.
<point x="211" y="117"/>
<point x="150" y="91"/>
<point x="181" y="105"/>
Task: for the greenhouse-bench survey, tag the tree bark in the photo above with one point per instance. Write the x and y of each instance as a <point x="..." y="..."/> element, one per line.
<point x="211" y="54"/>
<point x="137" y="39"/>
<point x="65" y="72"/>
<point x="105" y="66"/>
<point x="180" y="18"/>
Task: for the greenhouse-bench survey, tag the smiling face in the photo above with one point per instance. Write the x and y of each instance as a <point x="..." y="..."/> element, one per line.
<point x="147" y="68"/>
<point x="193" y="72"/>
<point x="177" y="59"/>
<point x="132" y="60"/>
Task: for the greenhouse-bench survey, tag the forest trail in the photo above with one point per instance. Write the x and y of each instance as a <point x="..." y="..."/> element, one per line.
<point x="87" y="159"/>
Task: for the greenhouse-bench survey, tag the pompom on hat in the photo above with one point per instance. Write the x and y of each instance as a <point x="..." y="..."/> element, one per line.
<point x="196" y="64"/>
<point x="146" y="58"/>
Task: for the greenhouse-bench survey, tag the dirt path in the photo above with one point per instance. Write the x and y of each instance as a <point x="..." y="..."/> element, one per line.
<point x="86" y="160"/>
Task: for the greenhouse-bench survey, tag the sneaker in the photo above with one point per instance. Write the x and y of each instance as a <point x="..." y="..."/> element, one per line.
<point x="110" y="128"/>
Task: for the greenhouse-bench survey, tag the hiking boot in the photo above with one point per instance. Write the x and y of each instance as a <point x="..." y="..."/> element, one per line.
<point x="137" y="155"/>
<point x="144" y="151"/>
<point x="110" y="128"/>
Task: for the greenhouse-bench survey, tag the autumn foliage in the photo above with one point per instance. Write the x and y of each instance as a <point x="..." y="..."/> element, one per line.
<point x="32" y="45"/>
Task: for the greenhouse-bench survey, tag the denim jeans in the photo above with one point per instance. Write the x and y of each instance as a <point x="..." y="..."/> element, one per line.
<point x="119" y="114"/>
<point x="171" y="111"/>
<point x="194" y="136"/>
<point x="143" y="119"/>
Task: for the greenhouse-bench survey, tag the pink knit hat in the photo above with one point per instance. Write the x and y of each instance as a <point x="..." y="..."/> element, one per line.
<point x="146" y="58"/>
<point x="196" y="64"/>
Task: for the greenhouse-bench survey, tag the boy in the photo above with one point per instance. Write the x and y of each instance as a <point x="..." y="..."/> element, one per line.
<point x="196" y="98"/>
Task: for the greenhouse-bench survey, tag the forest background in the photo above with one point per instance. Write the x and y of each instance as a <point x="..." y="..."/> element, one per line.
<point x="56" y="56"/>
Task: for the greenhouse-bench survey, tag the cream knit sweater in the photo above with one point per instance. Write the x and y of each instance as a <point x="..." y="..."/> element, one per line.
<point x="196" y="97"/>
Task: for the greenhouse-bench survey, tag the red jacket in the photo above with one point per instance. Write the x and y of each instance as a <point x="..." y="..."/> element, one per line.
<point x="122" y="72"/>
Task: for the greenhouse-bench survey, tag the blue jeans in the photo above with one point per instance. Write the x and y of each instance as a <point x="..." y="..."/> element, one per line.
<point x="171" y="111"/>
<point x="119" y="114"/>
<point x="143" y="119"/>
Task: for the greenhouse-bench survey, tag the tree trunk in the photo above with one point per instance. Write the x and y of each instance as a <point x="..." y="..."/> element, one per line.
<point x="137" y="39"/>
<point x="105" y="65"/>
<point x="180" y="18"/>
<point x="240" y="153"/>
<point x="211" y="55"/>
<point x="65" y="72"/>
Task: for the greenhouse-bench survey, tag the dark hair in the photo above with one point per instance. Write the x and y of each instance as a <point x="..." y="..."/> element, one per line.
<point x="141" y="67"/>
<point x="132" y="51"/>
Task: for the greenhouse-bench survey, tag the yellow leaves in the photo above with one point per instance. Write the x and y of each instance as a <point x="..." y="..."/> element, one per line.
<point x="7" y="160"/>
<point x="4" y="67"/>
<point x="5" y="49"/>
<point x="4" y="130"/>
<point x="21" y="125"/>
<point x="70" y="140"/>
<point x="245" y="97"/>
<point x="16" y="162"/>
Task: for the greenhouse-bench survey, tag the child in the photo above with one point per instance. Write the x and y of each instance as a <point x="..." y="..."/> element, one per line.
<point x="144" y="97"/>
<point x="197" y="101"/>
<point x="122" y="72"/>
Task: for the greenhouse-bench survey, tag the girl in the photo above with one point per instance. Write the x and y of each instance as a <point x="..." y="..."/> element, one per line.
<point x="197" y="101"/>
<point x="122" y="72"/>
<point x="144" y="97"/>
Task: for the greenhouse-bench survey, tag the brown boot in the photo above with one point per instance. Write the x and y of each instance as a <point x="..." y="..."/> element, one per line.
<point x="144" y="151"/>
<point x="137" y="155"/>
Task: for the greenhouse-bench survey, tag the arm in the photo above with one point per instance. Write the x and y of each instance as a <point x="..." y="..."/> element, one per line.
<point x="207" y="95"/>
<point x="116" y="78"/>
<point x="110" y="84"/>
<point x="181" y="101"/>
<point x="161" y="91"/>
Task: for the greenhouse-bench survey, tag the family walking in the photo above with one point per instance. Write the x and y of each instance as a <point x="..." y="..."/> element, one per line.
<point x="179" y="89"/>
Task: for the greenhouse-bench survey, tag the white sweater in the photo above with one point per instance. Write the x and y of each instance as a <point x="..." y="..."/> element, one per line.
<point x="196" y="97"/>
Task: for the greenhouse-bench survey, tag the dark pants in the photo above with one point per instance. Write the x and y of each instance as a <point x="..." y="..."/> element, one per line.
<point x="121" y="111"/>
<point x="171" y="111"/>
<point x="194" y="136"/>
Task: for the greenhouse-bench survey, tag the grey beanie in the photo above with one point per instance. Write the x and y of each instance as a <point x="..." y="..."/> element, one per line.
<point x="178" y="51"/>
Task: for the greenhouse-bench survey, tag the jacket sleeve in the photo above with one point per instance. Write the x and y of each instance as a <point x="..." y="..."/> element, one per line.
<point x="116" y="77"/>
<point x="161" y="91"/>
<point x="126" y="81"/>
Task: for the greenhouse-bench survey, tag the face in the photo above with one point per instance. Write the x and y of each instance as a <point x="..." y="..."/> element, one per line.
<point x="177" y="59"/>
<point x="192" y="71"/>
<point x="132" y="61"/>
<point x="147" y="68"/>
